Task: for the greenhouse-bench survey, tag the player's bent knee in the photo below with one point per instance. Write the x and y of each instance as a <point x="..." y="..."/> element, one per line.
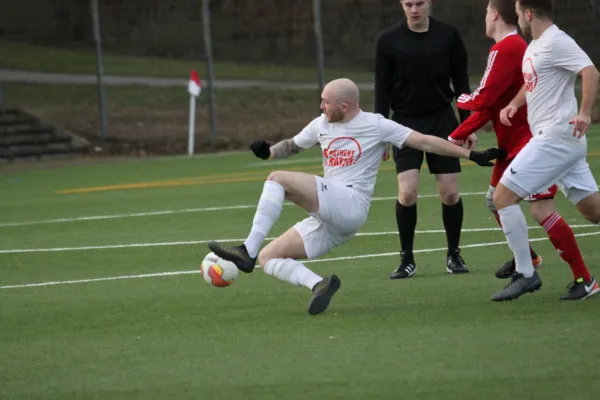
<point x="589" y="208"/>
<point x="542" y="209"/>
<point x="592" y="216"/>
<point x="504" y="197"/>
<point x="276" y="176"/>
<point x="450" y="197"/>
<point x="408" y="196"/>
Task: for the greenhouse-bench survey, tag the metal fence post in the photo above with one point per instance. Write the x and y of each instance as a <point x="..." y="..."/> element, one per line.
<point x="319" y="45"/>
<point x="206" y="24"/>
<point x="99" y="71"/>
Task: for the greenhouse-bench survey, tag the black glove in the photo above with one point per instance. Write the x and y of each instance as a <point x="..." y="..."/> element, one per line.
<point x="483" y="158"/>
<point x="261" y="149"/>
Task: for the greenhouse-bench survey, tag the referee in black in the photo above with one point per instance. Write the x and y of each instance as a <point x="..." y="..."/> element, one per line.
<point x="416" y="60"/>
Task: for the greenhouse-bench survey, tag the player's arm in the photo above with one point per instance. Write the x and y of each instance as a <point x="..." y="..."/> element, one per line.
<point x="459" y="70"/>
<point x="285" y="148"/>
<point x="401" y="136"/>
<point x="589" y="89"/>
<point x="471" y="125"/>
<point x="567" y="54"/>
<point x="511" y="109"/>
<point x="383" y="78"/>
<point x="520" y="99"/>
<point x="307" y="138"/>
<point x="497" y="78"/>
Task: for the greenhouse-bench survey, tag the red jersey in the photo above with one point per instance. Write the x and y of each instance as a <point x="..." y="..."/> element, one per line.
<point x="501" y="82"/>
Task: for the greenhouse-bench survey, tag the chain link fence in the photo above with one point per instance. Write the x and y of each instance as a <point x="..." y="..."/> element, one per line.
<point x="266" y="59"/>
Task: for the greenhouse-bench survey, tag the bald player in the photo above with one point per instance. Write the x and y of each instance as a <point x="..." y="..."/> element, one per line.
<point x="352" y="142"/>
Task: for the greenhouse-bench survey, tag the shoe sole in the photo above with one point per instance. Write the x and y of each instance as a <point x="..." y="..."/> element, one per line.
<point x="593" y="292"/>
<point x="533" y="290"/>
<point x="238" y="261"/>
<point x="319" y="303"/>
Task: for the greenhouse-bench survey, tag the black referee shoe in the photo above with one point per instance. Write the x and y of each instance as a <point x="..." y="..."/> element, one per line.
<point x="455" y="264"/>
<point x="406" y="268"/>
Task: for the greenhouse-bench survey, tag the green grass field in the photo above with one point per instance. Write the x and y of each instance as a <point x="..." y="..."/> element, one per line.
<point x="121" y="311"/>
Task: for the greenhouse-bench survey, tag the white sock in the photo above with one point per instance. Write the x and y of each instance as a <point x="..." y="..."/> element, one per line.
<point x="267" y="212"/>
<point x="292" y="271"/>
<point x="514" y="225"/>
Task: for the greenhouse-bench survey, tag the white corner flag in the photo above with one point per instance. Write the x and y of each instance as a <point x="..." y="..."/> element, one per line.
<point x="194" y="88"/>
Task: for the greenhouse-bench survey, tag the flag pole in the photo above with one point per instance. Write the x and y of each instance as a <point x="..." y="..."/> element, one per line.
<point x="194" y="88"/>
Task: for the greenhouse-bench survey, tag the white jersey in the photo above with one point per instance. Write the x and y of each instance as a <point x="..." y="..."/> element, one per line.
<point x="550" y="67"/>
<point x="352" y="151"/>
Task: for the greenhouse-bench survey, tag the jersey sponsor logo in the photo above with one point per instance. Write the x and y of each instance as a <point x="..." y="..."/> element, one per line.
<point x="529" y="75"/>
<point x="342" y="152"/>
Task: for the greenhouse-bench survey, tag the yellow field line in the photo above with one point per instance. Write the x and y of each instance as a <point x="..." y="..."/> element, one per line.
<point x="248" y="176"/>
<point x="221" y="178"/>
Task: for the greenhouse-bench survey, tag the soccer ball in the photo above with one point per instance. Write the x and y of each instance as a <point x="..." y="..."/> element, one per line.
<point x="217" y="271"/>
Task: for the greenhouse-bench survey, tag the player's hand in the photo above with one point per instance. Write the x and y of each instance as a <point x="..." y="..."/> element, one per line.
<point x="484" y="158"/>
<point x="386" y="153"/>
<point x="261" y="149"/>
<point x="507" y="113"/>
<point x="471" y="142"/>
<point x="580" y="124"/>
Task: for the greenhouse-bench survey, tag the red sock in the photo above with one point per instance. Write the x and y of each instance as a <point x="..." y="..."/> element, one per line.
<point x="533" y="253"/>
<point x="562" y="238"/>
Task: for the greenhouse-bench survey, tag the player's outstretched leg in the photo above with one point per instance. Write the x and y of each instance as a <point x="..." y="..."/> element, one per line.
<point x="526" y="279"/>
<point x="507" y="269"/>
<point x="297" y="187"/>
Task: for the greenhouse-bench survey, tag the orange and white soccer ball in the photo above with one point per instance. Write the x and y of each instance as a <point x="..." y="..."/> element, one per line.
<point x="217" y="271"/>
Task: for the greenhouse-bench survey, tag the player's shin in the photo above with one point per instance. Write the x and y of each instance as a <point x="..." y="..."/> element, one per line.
<point x="514" y="225"/>
<point x="267" y="212"/>
<point x="292" y="271"/>
<point x="563" y="239"/>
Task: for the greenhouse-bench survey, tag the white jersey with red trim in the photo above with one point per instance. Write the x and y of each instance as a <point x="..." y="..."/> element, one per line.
<point x="550" y="67"/>
<point x="352" y="150"/>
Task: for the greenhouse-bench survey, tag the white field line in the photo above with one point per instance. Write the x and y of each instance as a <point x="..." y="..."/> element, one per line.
<point x="173" y="273"/>
<point x="181" y="211"/>
<point x="191" y="242"/>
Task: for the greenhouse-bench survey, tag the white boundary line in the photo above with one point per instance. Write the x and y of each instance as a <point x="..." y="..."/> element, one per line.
<point x="174" y="273"/>
<point x="182" y="211"/>
<point x="191" y="242"/>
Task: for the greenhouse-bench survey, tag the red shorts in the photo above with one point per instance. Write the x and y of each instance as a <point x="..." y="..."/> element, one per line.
<point x="499" y="168"/>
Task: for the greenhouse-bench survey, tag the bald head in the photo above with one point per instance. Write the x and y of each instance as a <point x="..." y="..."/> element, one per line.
<point x="340" y="100"/>
<point x="342" y="91"/>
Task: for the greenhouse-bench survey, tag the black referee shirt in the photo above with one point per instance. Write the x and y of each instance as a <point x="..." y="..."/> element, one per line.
<point x="413" y="70"/>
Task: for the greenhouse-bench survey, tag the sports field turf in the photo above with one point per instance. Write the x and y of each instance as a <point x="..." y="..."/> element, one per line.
<point x="121" y="311"/>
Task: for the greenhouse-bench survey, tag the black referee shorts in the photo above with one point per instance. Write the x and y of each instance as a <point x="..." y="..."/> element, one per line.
<point x="440" y="124"/>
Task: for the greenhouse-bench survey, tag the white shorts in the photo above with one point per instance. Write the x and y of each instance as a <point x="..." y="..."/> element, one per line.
<point x="342" y="212"/>
<point x="545" y="161"/>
